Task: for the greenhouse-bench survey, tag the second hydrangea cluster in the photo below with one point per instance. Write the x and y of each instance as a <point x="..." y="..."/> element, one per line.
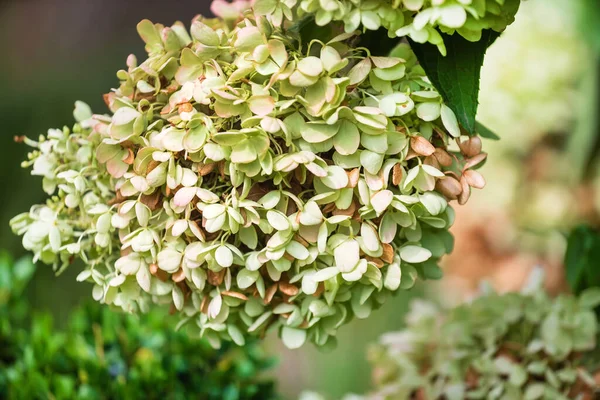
<point x="421" y="20"/>
<point x="513" y="346"/>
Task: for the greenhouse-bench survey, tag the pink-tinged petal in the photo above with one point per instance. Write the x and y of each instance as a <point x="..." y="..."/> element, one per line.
<point x="184" y="196"/>
<point x="116" y="168"/>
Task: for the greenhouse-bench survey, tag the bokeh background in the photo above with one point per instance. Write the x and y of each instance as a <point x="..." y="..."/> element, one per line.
<point x="539" y="93"/>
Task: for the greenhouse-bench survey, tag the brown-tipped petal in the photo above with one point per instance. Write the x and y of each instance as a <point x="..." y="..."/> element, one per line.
<point x="397" y="174"/>
<point x="320" y="290"/>
<point x="301" y="240"/>
<point x="388" y="253"/>
<point x="411" y="154"/>
<point x="348" y="211"/>
<point x="443" y="157"/>
<point x="431" y="160"/>
<point x="221" y="165"/>
<point x="288" y="288"/>
<point x="215" y="278"/>
<point x="421" y="146"/>
<point x="204" y="305"/>
<point x="470" y="147"/>
<point x="152" y="200"/>
<point x="205" y="169"/>
<point x="375" y="260"/>
<point x="270" y="293"/>
<point x="466" y="191"/>
<point x="185" y="107"/>
<point x="473" y="161"/>
<point x="234" y="294"/>
<point x="178" y="276"/>
<point x="353" y="177"/>
<point x="129" y="158"/>
<point x="449" y="187"/>
<point x="474" y="179"/>
<point x="159" y="273"/>
<point x="151" y="165"/>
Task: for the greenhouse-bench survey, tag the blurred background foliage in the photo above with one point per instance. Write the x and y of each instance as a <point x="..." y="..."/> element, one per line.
<point x="539" y="94"/>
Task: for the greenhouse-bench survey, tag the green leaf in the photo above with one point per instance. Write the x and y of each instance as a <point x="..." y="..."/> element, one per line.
<point x="581" y="259"/>
<point x="589" y="26"/>
<point x="485" y="132"/>
<point x="456" y="76"/>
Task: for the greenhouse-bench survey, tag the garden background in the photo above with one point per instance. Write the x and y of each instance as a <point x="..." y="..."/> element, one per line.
<point x="539" y="93"/>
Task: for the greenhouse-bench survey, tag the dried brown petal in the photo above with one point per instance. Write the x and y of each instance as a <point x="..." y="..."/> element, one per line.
<point x="348" y="211"/>
<point x="178" y="276"/>
<point x="443" y="157"/>
<point x="216" y="278"/>
<point x="421" y="146"/>
<point x="377" y="261"/>
<point x="204" y="305"/>
<point x="478" y="159"/>
<point x="205" y="169"/>
<point x="288" y="288"/>
<point x="157" y="272"/>
<point x="470" y="147"/>
<point x="449" y="187"/>
<point x="329" y="208"/>
<point x="151" y="165"/>
<point x="474" y="179"/>
<point x="388" y="253"/>
<point x="185" y="107"/>
<point x="153" y="201"/>
<point x="301" y="240"/>
<point x="320" y="290"/>
<point x="270" y="292"/>
<point x="236" y="295"/>
<point x="466" y="191"/>
<point x="396" y="174"/>
<point x="222" y="169"/>
<point x="130" y="157"/>
<point x="353" y="177"/>
<point x="431" y="160"/>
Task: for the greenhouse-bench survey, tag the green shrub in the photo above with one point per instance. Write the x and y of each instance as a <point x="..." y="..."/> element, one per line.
<point x="107" y="355"/>
<point x="511" y="346"/>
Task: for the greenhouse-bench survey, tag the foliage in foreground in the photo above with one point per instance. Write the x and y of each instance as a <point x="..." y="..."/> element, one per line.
<point x="511" y="346"/>
<point x="108" y="355"/>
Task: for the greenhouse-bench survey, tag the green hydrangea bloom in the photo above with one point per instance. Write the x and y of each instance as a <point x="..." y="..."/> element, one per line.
<point x="253" y="183"/>
<point x="512" y="346"/>
<point x="421" y="20"/>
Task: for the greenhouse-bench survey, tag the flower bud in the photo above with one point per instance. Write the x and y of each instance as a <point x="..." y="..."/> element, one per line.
<point x="449" y="187"/>
<point x="470" y="147"/>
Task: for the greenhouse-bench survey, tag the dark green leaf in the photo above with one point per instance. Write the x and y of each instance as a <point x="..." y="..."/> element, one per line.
<point x="590" y="22"/>
<point x="485" y="132"/>
<point x="582" y="260"/>
<point x="456" y="76"/>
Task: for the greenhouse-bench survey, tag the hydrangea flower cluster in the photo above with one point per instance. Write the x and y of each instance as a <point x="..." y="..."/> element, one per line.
<point x="253" y="183"/>
<point x="421" y="20"/>
<point x="512" y="346"/>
